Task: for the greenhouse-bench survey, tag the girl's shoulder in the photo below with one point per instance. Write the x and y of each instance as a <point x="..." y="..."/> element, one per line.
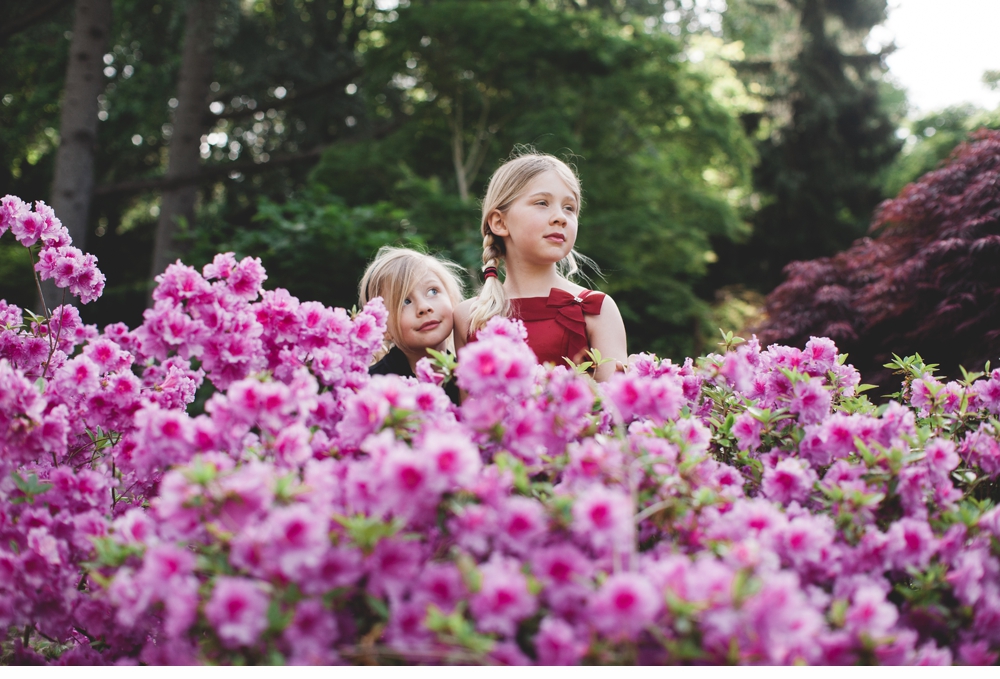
<point x="466" y="306"/>
<point x="463" y="312"/>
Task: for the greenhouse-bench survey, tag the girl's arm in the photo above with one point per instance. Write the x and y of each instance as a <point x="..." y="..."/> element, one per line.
<point x="606" y="332"/>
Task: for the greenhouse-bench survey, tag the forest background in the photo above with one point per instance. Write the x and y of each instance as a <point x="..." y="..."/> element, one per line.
<point x="716" y="142"/>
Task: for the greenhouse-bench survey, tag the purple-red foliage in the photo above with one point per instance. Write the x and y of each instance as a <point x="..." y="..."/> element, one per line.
<point x="928" y="283"/>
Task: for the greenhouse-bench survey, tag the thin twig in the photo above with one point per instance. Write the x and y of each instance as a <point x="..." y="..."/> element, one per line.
<point x="38" y="283"/>
<point x="54" y="346"/>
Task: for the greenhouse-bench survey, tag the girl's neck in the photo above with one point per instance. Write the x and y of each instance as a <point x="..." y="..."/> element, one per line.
<point x="524" y="280"/>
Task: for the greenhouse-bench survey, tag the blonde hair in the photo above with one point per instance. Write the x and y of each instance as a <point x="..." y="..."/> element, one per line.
<point x="507" y="184"/>
<point x="393" y="274"/>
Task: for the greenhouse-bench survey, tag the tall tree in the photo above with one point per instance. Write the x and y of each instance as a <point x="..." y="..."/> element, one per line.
<point x="824" y="138"/>
<point x="74" y="170"/>
<point x="178" y="202"/>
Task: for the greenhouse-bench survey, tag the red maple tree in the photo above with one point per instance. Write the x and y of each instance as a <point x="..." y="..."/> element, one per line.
<point x="927" y="281"/>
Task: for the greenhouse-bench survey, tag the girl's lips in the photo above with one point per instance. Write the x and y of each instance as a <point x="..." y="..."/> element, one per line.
<point x="556" y="238"/>
<point x="429" y="325"/>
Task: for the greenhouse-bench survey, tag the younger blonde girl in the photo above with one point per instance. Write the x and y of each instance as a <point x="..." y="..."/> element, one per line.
<point x="420" y="292"/>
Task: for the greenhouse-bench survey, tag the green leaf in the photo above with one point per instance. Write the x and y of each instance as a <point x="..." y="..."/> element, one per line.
<point x="366" y="531"/>
<point x="277" y="620"/>
<point x="378" y="606"/>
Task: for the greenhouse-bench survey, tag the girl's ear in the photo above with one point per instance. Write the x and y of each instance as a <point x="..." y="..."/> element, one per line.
<point x="497" y="224"/>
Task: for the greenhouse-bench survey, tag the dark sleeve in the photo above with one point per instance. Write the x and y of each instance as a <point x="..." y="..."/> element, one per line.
<point x="393" y="363"/>
<point x="451" y="389"/>
<point x="381" y="368"/>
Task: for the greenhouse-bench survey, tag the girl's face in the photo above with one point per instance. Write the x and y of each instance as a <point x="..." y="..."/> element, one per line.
<point x="426" y="319"/>
<point x="540" y="225"/>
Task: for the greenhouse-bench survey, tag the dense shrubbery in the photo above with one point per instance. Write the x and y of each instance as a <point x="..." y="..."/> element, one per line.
<point x="928" y="283"/>
<point x="750" y="507"/>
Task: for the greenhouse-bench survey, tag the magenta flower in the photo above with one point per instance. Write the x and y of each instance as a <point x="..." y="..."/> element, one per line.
<point x="11" y="208"/>
<point x="522" y="524"/>
<point x="237" y="611"/>
<point x="296" y="539"/>
<point x="820" y="356"/>
<point x="659" y="398"/>
<point x="624" y="605"/>
<point x="27" y="227"/>
<point x="311" y="633"/>
<point x="910" y="543"/>
<point x="496" y="364"/>
<point x="789" y="480"/>
<point x="810" y="400"/>
<point x="603" y="517"/>
<point x="452" y="456"/>
<point x="504" y="599"/>
<point x="557" y="643"/>
<point x="941" y="457"/>
<point x="440" y="584"/>
<point x="338" y="567"/>
<point x="746" y="429"/>
<point x="393" y="566"/>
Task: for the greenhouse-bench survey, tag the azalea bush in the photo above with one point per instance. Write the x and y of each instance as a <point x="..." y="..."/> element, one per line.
<point x="750" y="506"/>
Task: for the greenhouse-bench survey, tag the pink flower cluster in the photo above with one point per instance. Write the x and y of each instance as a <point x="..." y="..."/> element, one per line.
<point x="747" y="507"/>
<point x="57" y="258"/>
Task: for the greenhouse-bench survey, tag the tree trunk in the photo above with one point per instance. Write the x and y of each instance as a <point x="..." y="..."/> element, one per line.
<point x="73" y="184"/>
<point x="185" y="153"/>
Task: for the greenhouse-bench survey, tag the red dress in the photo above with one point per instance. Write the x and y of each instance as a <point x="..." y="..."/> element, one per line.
<point x="556" y="324"/>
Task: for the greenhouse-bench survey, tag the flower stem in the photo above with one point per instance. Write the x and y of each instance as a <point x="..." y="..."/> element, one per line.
<point x="38" y="283"/>
<point x="54" y="345"/>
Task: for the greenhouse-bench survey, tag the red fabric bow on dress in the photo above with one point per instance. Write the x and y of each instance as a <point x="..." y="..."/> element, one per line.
<point x="570" y="312"/>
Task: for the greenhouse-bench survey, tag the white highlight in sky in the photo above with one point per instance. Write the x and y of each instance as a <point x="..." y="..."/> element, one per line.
<point x="943" y="47"/>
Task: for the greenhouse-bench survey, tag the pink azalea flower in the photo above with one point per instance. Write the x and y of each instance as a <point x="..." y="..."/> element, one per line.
<point x="312" y="631"/>
<point x="603" y="517"/>
<point x="295" y="539"/>
<point x="810" y="400"/>
<point x="237" y="610"/>
<point x="522" y="524"/>
<point x="504" y="599"/>
<point x="11" y="208"/>
<point x="557" y="643"/>
<point x="789" y="480"/>
<point x="746" y="429"/>
<point x="910" y="543"/>
<point x="624" y="605"/>
<point x="452" y="456"/>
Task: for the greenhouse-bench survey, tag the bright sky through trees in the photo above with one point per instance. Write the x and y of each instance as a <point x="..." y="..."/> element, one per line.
<point x="943" y="48"/>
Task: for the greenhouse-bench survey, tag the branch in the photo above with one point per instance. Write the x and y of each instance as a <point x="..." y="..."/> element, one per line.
<point x="21" y="23"/>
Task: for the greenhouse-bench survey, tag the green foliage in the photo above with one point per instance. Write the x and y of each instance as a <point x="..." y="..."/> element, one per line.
<point x="314" y="245"/>
<point x="932" y="137"/>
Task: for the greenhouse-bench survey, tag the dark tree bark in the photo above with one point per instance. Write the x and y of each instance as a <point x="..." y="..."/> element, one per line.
<point x="177" y="203"/>
<point x="73" y="184"/>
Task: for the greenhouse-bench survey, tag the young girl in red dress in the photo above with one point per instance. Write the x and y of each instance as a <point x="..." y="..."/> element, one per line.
<point x="529" y="227"/>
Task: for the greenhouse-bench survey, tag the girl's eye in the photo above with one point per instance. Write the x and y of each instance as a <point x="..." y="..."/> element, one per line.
<point x="541" y="202"/>
<point x="406" y="302"/>
<point x="433" y="292"/>
<point x="570" y="208"/>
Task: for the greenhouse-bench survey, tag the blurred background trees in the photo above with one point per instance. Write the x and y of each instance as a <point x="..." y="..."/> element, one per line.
<point x="716" y="142"/>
